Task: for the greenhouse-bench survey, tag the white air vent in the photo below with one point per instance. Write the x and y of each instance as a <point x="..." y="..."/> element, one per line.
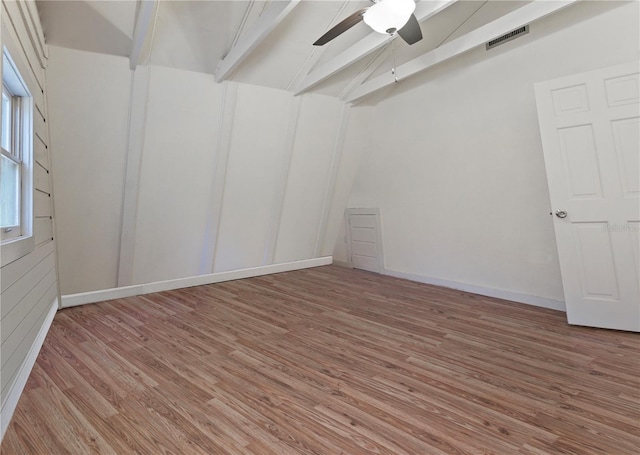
<point x="507" y="37"/>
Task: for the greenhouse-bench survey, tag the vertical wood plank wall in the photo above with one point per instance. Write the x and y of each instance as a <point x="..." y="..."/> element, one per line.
<point x="29" y="286"/>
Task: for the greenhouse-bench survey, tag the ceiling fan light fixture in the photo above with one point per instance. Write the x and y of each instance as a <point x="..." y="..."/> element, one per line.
<point x="388" y="16"/>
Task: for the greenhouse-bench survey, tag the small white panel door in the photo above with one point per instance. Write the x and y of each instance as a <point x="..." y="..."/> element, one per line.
<point x="364" y="245"/>
<point x="590" y="128"/>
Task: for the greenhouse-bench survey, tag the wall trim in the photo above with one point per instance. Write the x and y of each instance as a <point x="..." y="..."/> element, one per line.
<point x="15" y="391"/>
<point x="279" y="195"/>
<point x="543" y="302"/>
<point x="336" y="158"/>
<point x="221" y="150"/>
<point x="138" y="103"/>
<point x="83" y="298"/>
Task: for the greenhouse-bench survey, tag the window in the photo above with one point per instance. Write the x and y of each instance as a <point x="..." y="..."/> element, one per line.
<point x="16" y="192"/>
<point x="11" y="168"/>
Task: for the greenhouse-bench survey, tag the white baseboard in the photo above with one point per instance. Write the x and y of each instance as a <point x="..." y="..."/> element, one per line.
<point x="481" y="290"/>
<point x="158" y="286"/>
<point x="15" y="390"/>
<point x="343" y="264"/>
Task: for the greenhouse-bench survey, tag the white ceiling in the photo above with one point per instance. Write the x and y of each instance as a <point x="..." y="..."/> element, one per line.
<point x="196" y="35"/>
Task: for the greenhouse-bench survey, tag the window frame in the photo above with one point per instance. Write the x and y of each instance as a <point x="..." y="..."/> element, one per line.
<point x="19" y="242"/>
<point x="14" y="153"/>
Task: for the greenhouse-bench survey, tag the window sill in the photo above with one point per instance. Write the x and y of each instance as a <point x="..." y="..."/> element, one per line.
<point x="14" y="249"/>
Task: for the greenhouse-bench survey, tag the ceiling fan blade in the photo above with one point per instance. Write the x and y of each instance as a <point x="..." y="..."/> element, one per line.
<point x="340" y="28"/>
<point x="411" y="32"/>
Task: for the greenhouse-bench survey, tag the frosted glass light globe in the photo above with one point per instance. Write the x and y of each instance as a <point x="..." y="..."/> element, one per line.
<point x="388" y="16"/>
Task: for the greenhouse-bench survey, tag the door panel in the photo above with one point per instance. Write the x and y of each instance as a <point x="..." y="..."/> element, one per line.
<point x="622" y="90"/>
<point x="634" y="241"/>
<point x="570" y="100"/>
<point x="596" y="261"/>
<point x="363" y="234"/>
<point x="364" y="248"/>
<point x="590" y="129"/>
<point x="626" y="135"/>
<point x="364" y="263"/>
<point x="581" y="165"/>
<point x="363" y="221"/>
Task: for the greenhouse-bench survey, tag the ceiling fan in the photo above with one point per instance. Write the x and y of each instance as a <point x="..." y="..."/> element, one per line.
<point x="384" y="16"/>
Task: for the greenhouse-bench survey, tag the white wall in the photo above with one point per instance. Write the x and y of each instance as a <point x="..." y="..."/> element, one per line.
<point x="358" y="141"/>
<point x="175" y="177"/>
<point x="29" y="285"/>
<point x="89" y="106"/>
<point x="314" y="149"/>
<point x="258" y="144"/>
<point x="194" y="177"/>
<point x="456" y="167"/>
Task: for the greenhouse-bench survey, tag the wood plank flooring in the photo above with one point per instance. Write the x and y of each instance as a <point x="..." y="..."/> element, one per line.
<point x="327" y="361"/>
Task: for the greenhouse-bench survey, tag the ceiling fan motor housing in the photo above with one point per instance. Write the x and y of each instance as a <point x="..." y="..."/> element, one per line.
<point x="386" y="15"/>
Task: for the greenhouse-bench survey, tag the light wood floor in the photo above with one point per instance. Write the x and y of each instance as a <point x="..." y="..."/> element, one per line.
<point x="327" y="361"/>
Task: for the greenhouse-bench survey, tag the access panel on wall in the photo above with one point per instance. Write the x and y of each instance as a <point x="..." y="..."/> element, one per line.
<point x="364" y="242"/>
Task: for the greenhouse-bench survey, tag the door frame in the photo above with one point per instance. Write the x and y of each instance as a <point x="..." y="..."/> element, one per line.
<point x="365" y="211"/>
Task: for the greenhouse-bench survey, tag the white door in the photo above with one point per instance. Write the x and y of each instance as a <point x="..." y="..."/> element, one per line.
<point x="363" y="239"/>
<point x="590" y="128"/>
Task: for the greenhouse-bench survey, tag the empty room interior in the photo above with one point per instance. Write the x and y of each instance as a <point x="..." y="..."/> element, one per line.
<point x="320" y="227"/>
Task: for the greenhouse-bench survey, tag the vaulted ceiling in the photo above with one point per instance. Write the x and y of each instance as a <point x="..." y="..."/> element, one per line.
<point x="269" y="42"/>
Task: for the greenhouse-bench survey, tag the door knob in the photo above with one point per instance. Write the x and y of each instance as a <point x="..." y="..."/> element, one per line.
<point x="561" y="214"/>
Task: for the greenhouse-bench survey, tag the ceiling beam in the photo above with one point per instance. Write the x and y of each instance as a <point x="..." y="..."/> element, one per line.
<point x="371" y="66"/>
<point x="268" y="21"/>
<point x="518" y="18"/>
<point x="371" y="42"/>
<point x="143" y="33"/>
<point x="316" y="52"/>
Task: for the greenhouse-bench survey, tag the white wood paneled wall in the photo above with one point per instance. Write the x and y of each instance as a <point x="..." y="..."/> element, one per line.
<point x="29" y="285"/>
